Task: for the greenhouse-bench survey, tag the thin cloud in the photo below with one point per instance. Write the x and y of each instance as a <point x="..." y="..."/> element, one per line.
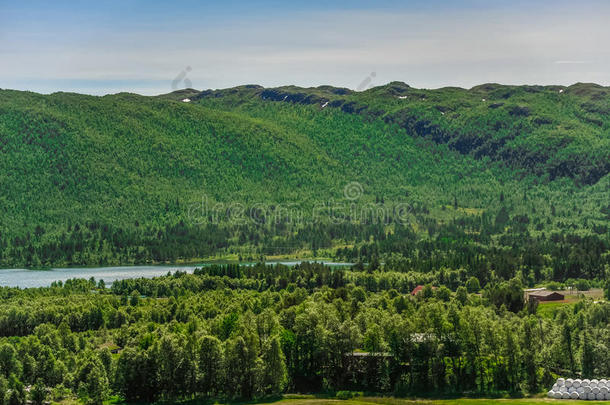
<point x="572" y="62"/>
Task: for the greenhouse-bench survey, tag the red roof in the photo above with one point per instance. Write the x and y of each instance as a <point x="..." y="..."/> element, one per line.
<point x="419" y="288"/>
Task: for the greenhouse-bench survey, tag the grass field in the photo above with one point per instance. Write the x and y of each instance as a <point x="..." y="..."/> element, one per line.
<point x="313" y="400"/>
<point x="547" y="309"/>
<point x="308" y="400"/>
<point x="298" y="399"/>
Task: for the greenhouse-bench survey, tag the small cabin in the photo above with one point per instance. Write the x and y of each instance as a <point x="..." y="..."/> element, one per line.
<point x="546" y="296"/>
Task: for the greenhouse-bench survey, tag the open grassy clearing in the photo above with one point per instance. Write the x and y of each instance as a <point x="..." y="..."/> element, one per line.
<point x="549" y="308"/>
<point x="311" y="400"/>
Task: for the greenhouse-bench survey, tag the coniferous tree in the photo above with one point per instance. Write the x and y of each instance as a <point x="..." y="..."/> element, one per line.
<point x="587" y="357"/>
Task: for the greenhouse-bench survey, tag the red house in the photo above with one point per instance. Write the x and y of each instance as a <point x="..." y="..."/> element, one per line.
<point x="419" y="288"/>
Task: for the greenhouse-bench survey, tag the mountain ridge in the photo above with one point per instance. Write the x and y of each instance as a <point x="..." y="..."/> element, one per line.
<point x="513" y="114"/>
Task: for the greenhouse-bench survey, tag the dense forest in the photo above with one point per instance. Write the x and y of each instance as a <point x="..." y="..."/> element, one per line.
<point x="309" y="328"/>
<point x="494" y="180"/>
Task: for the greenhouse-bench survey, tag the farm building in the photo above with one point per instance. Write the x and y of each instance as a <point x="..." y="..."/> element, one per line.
<point x="546" y="296"/>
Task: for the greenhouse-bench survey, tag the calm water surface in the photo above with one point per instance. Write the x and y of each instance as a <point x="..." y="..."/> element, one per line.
<point x="25" y="278"/>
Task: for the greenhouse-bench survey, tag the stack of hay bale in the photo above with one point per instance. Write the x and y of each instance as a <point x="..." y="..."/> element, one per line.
<point x="598" y="390"/>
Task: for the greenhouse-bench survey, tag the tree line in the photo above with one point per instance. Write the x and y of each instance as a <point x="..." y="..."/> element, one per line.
<point x="255" y="331"/>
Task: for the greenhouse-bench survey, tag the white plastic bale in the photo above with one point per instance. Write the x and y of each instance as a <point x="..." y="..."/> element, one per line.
<point x="567" y="388"/>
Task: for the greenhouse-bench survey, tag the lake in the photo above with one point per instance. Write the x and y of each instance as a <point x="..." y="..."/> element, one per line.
<point x="25" y="278"/>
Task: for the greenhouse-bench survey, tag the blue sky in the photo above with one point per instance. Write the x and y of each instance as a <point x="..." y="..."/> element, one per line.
<point x="142" y="46"/>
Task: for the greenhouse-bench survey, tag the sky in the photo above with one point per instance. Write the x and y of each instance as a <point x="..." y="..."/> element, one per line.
<point x="153" y="47"/>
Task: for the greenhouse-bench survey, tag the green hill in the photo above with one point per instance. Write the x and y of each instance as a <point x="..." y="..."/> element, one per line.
<point x="549" y="131"/>
<point x="126" y="178"/>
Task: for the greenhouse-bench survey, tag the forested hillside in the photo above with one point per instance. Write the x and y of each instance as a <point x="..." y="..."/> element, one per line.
<point x="550" y="131"/>
<point x="493" y="180"/>
<point x="244" y="332"/>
